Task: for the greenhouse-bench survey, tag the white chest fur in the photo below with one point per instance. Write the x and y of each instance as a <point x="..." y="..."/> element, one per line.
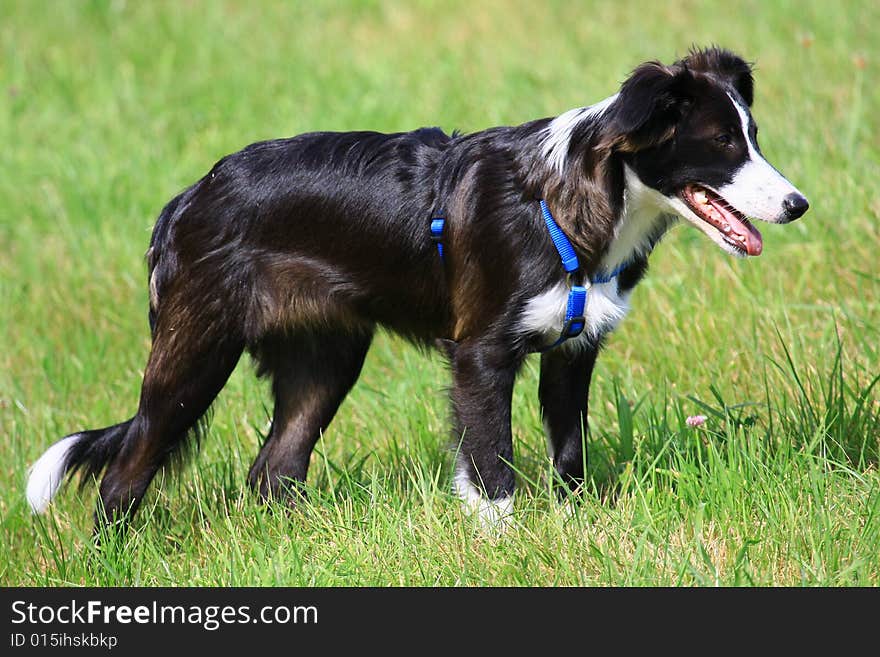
<point x="642" y="221"/>
<point x="604" y="309"/>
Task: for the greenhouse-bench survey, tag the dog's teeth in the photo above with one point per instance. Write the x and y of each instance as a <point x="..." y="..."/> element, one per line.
<point x="725" y="228"/>
<point x="700" y="197"/>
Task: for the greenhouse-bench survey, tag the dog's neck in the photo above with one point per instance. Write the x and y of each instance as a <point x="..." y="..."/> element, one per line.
<point x="608" y="213"/>
<point x="617" y="221"/>
<point x="641" y="223"/>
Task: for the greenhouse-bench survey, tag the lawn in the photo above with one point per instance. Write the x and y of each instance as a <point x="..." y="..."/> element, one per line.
<point x="109" y="108"/>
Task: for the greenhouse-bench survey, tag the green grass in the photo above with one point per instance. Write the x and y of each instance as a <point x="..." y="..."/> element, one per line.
<point x="107" y="109"/>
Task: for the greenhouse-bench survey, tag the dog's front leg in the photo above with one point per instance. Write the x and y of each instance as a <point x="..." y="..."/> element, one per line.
<point x="563" y="391"/>
<point x="483" y="377"/>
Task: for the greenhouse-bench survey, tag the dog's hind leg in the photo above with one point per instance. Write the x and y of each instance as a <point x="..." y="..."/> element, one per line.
<point x="195" y="348"/>
<point x="311" y="374"/>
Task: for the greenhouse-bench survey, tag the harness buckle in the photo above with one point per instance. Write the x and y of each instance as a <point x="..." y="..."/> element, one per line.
<point x="437" y="224"/>
<point x="574" y="327"/>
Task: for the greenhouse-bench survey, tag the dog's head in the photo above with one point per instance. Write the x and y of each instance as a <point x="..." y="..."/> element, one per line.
<point x="687" y="132"/>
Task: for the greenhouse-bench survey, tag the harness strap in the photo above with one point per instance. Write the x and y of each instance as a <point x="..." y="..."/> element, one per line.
<point x="575" y="322"/>
<point x="560" y="241"/>
<point x="437" y="225"/>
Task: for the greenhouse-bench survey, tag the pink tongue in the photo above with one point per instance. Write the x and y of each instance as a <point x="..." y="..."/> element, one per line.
<point x="753" y="242"/>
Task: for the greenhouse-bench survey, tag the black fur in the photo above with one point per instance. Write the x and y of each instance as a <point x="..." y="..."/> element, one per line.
<point x="296" y="249"/>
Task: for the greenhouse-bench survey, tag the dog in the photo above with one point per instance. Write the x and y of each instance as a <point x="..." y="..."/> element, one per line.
<point x="490" y="246"/>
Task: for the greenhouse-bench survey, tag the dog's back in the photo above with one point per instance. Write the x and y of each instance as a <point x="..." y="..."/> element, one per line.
<point x="300" y="225"/>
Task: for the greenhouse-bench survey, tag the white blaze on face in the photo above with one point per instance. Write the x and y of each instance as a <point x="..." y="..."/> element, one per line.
<point x="758" y="190"/>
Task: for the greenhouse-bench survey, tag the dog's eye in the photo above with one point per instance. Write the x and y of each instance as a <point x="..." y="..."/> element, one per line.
<point x="724" y="139"/>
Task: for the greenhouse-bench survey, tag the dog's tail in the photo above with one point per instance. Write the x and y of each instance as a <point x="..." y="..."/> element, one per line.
<point x="88" y="451"/>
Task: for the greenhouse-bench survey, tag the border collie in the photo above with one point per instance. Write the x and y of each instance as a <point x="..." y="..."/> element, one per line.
<point x="489" y="246"/>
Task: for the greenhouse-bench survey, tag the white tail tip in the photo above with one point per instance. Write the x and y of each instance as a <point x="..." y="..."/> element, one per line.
<point x="47" y="474"/>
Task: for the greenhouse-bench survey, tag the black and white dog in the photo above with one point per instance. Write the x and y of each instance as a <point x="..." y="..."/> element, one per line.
<point x="490" y="245"/>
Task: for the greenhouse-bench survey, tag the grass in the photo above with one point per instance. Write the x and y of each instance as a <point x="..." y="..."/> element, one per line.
<point x="109" y="108"/>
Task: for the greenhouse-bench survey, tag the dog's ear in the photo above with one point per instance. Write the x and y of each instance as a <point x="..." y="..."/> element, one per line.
<point x="724" y="65"/>
<point x="650" y="104"/>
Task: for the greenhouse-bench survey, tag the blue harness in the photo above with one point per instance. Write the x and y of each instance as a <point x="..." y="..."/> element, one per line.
<point x="574" y="322"/>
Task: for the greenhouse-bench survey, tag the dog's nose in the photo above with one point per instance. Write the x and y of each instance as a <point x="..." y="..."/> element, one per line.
<point x="795" y="205"/>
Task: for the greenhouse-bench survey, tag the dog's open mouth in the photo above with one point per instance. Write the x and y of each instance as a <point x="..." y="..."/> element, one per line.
<point x="733" y="226"/>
